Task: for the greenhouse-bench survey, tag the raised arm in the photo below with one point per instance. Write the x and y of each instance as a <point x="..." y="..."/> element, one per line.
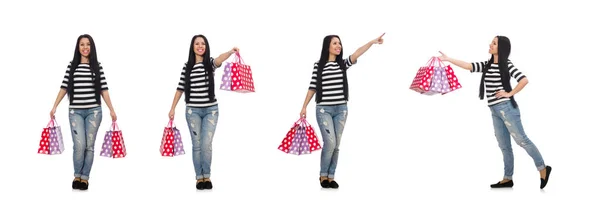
<point x="461" y="64"/>
<point x="219" y="60"/>
<point x="364" y="48"/>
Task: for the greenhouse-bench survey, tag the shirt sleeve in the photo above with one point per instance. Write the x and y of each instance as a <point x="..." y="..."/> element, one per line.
<point x="478" y="66"/>
<point x="181" y="84"/>
<point x="65" y="81"/>
<point x="313" y="79"/>
<point x="348" y="62"/>
<point x="514" y="72"/>
<point x="104" y="85"/>
<point x="214" y="65"/>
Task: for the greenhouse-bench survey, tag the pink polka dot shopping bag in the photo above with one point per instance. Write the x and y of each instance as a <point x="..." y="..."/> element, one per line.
<point x="300" y="139"/>
<point x="434" y="78"/>
<point x="171" y="144"/>
<point x="237" y="76"/>
<point x="51" y="142"/>
<point x="114" y="145"/>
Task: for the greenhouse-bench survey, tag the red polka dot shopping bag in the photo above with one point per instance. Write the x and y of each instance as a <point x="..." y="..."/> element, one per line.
<point x="171" y="144"/>
<point x="51" y="142"/>
<point x="301" y="139"/>
<point x="114" y="145"/>
<point x="434" y="78"/>
<point x="237" y="76"/>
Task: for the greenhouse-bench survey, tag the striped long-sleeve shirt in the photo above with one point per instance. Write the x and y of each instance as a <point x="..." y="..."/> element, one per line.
<point x="492" y="80"/>
<point x="199" y="85"/>
<point x="332" y="82"/>
<point x="84" y="94"/>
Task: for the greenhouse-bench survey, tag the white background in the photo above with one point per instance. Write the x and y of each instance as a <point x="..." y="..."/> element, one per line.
<point x="401" y="151"/>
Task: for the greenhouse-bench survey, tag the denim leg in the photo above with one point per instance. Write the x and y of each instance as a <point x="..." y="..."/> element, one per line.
<point x="194" y="125"/>
<point x="512" y="119"/>
<point x="76" y="121"/>
<point x="327" y="128"/>
<point x="503" y="138"/>
<point x="339" y="121"/>
<point x="209" y="124"/>
<point x="92" y="123"/>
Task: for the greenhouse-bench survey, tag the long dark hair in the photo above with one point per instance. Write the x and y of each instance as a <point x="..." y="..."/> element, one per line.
<point x="324" y="59"/>
<point x="208" y="67"/>
<point x="94" y="67"/>
<point x="504" y="48"/>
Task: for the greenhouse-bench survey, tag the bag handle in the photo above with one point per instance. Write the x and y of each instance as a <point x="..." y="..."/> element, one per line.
<point x="433" y="60"/>
<point x="238" y="58"/>
<point x="114" y="126"/>
<point x="52" y="123"/>
<point x="170" y="124"/>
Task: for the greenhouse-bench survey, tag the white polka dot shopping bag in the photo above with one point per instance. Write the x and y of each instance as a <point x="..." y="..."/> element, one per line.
<point x="171" y="144"/>
<point x="301" y="139"/>
<point x="114" y="144"/>
<point x="237" y="76"/>
<point x="51" y="142"/>
<point x="435" y="78"/>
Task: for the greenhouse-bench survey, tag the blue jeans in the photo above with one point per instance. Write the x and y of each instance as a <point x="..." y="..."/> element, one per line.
<point x="84" y="127"/>
<point x="331" y="121"/>
<point x="507" y="123"/>
<point x="202" y="122"/>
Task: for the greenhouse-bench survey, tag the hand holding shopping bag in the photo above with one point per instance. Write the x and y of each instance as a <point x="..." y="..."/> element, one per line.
<point x="51" y="142"/>
<point x="237" y="76"/>
<point x="434" y="78"/>
<point x="171" y="144"/>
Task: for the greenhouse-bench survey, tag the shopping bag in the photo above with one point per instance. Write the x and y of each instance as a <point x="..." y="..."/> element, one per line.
<point x="114" y="144"/>
<point x="171" y="144"/>
<point x="300" y="139"/>
<point x="431" y="79"/>
<point x="237" y="76"/>
<point x="452" y="80"/>
<point x="51" y="142"/>
<point x="226" y="79"/>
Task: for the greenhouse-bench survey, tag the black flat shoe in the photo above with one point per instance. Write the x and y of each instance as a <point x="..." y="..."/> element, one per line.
<point x="76" y="184"/>
<point x="544" y="181"/>
<point x="208" y="184"/>
<point x="200" y="185"/>
<point x="83" y="185"/>
<point x="508" y="184"/>
<point x="325" y="183"/>
<point x="333" y="184"/>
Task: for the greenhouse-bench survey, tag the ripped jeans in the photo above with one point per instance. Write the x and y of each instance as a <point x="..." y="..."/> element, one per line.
<point x="331" y="121"/>
<point x="202" y="122"/>
<point x="507" y="123"/>
<point x="84" y="127"/>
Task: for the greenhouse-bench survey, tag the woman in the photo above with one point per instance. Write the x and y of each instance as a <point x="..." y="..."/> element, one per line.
<point x="330" y="83"/>
<point x="505" y="112"/>
<point x="202" y="112"/>
<point x="84" y="81"/>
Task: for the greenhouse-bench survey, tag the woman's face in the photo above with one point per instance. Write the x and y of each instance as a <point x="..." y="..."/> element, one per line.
<point x="335" y="47"/>
<point x="494" y="46"/>
<point x="84" y="47"/>
<point x="199" y="46"/>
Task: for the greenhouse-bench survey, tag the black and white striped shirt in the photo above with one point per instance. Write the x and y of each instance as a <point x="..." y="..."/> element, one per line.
<point x="493" y="82"/>
<point x="332" y="82"/>
<point x="84" y="94"/>
<point x="199" y="85"/>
